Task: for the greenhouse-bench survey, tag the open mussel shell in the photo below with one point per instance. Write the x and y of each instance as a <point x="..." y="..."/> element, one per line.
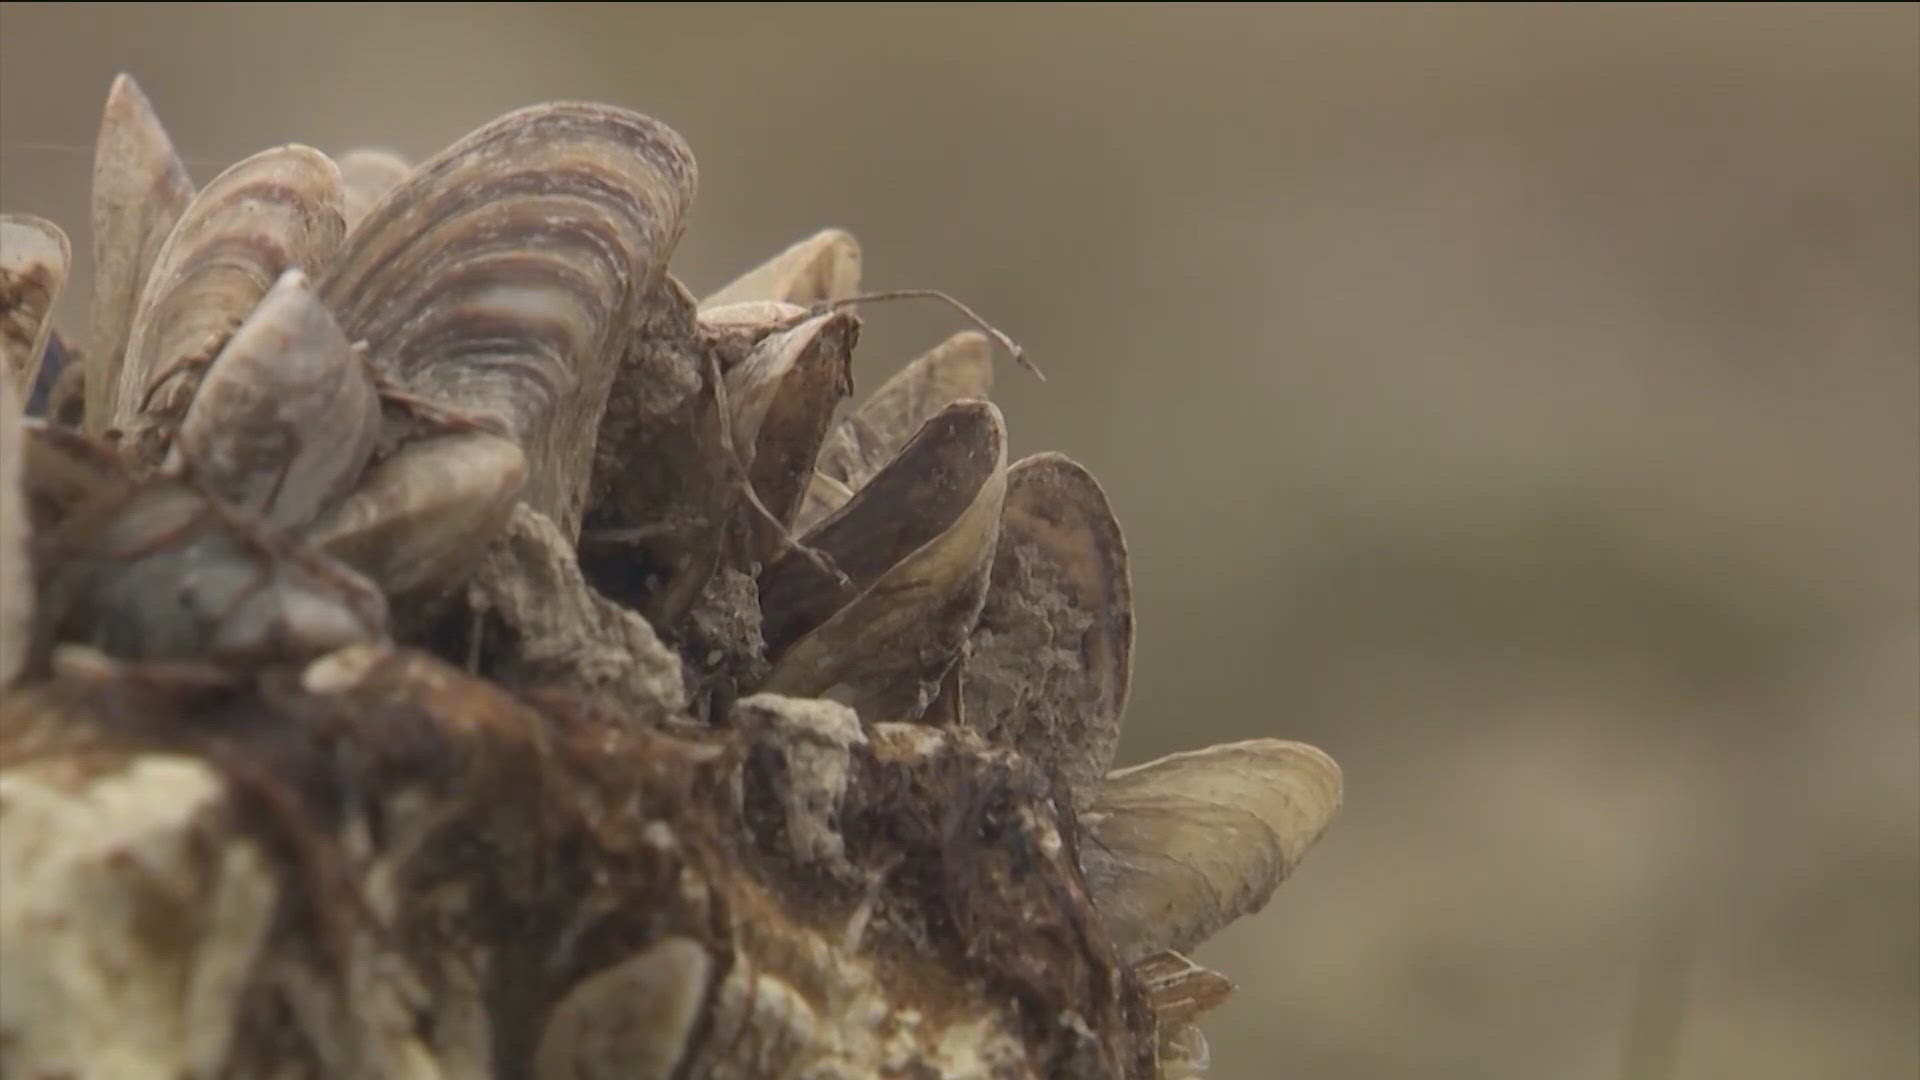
<point x="958" y="369"/>
<point x="140" y="189"/>
<point x="1184" y="845"/>
<point x="16" y="566"/>
<point x="823" y="267"/>
<point x="34" y="260"/>
<point x="277" y="210"/>
<point x="162" y="572"/>
<point x="914" y="546"/>
<point x="1051" y="658"/>
<point x="286" y="416"/>
<point x="498" y="277"/>
<point x="365" y="178"/>
<point x="783" y="396"/>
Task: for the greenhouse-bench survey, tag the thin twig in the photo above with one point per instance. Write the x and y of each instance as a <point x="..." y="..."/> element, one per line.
<point x="1013" y="348"/>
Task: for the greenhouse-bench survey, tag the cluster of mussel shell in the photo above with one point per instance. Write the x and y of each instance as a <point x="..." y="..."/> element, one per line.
<point x="317" y="399"/>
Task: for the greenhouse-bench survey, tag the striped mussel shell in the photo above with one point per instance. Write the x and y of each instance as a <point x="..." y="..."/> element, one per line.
<point x="496" y="279"/>
<point x="277" y="210"/>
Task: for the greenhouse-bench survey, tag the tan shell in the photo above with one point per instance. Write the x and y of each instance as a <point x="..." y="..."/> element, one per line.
<point x="286" y="417"/>
<point x="420" y="518"/>
<point x="139" y="190"/>
<point x="275" y="211"/>
<point x="824" y="266"/>
<point x="16" y="567"/>
<point x="631" y="1021"/>
<point x="915" y="544"/>
<point x="34" y="260"/>
<point x="1184" y="845"/>
<point x="497" y="278"/>
<point x="1051" y="660"/>
<point x="783" y="396"/>
<point x="365" y="178"/>
<point x="958" y="369"/>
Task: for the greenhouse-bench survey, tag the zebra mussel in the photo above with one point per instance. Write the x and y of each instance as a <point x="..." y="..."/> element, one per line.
<point x="753" y="707"/>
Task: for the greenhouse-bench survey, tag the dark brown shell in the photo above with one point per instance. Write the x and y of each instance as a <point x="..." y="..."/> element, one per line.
<point x="958" y="369"/>
<point x="915" y="545"/>
<point x="783" y="396"/>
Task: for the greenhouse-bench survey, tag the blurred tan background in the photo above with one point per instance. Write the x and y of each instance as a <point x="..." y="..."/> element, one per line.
<point x="1520" y="404"/>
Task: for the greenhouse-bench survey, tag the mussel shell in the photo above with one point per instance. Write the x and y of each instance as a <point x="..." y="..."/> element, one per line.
<point x="365" y="178"/>
<point x="915" y="545"/>
<point x="286" y="417"/>
<point x="823" y="267"/>
<point x="34" y="259"/>
<point x="633" y="1019"/>
<point x="957" y="369"/>
<point x="419" y="519"/>
<point x="499" y="277"/>
<point x="783" y="396"/>
<point x="1051" y="660"/>
<point x="140" y="189"/>
<point x="275" y="211"/>
<point x="1181" y="846"/>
